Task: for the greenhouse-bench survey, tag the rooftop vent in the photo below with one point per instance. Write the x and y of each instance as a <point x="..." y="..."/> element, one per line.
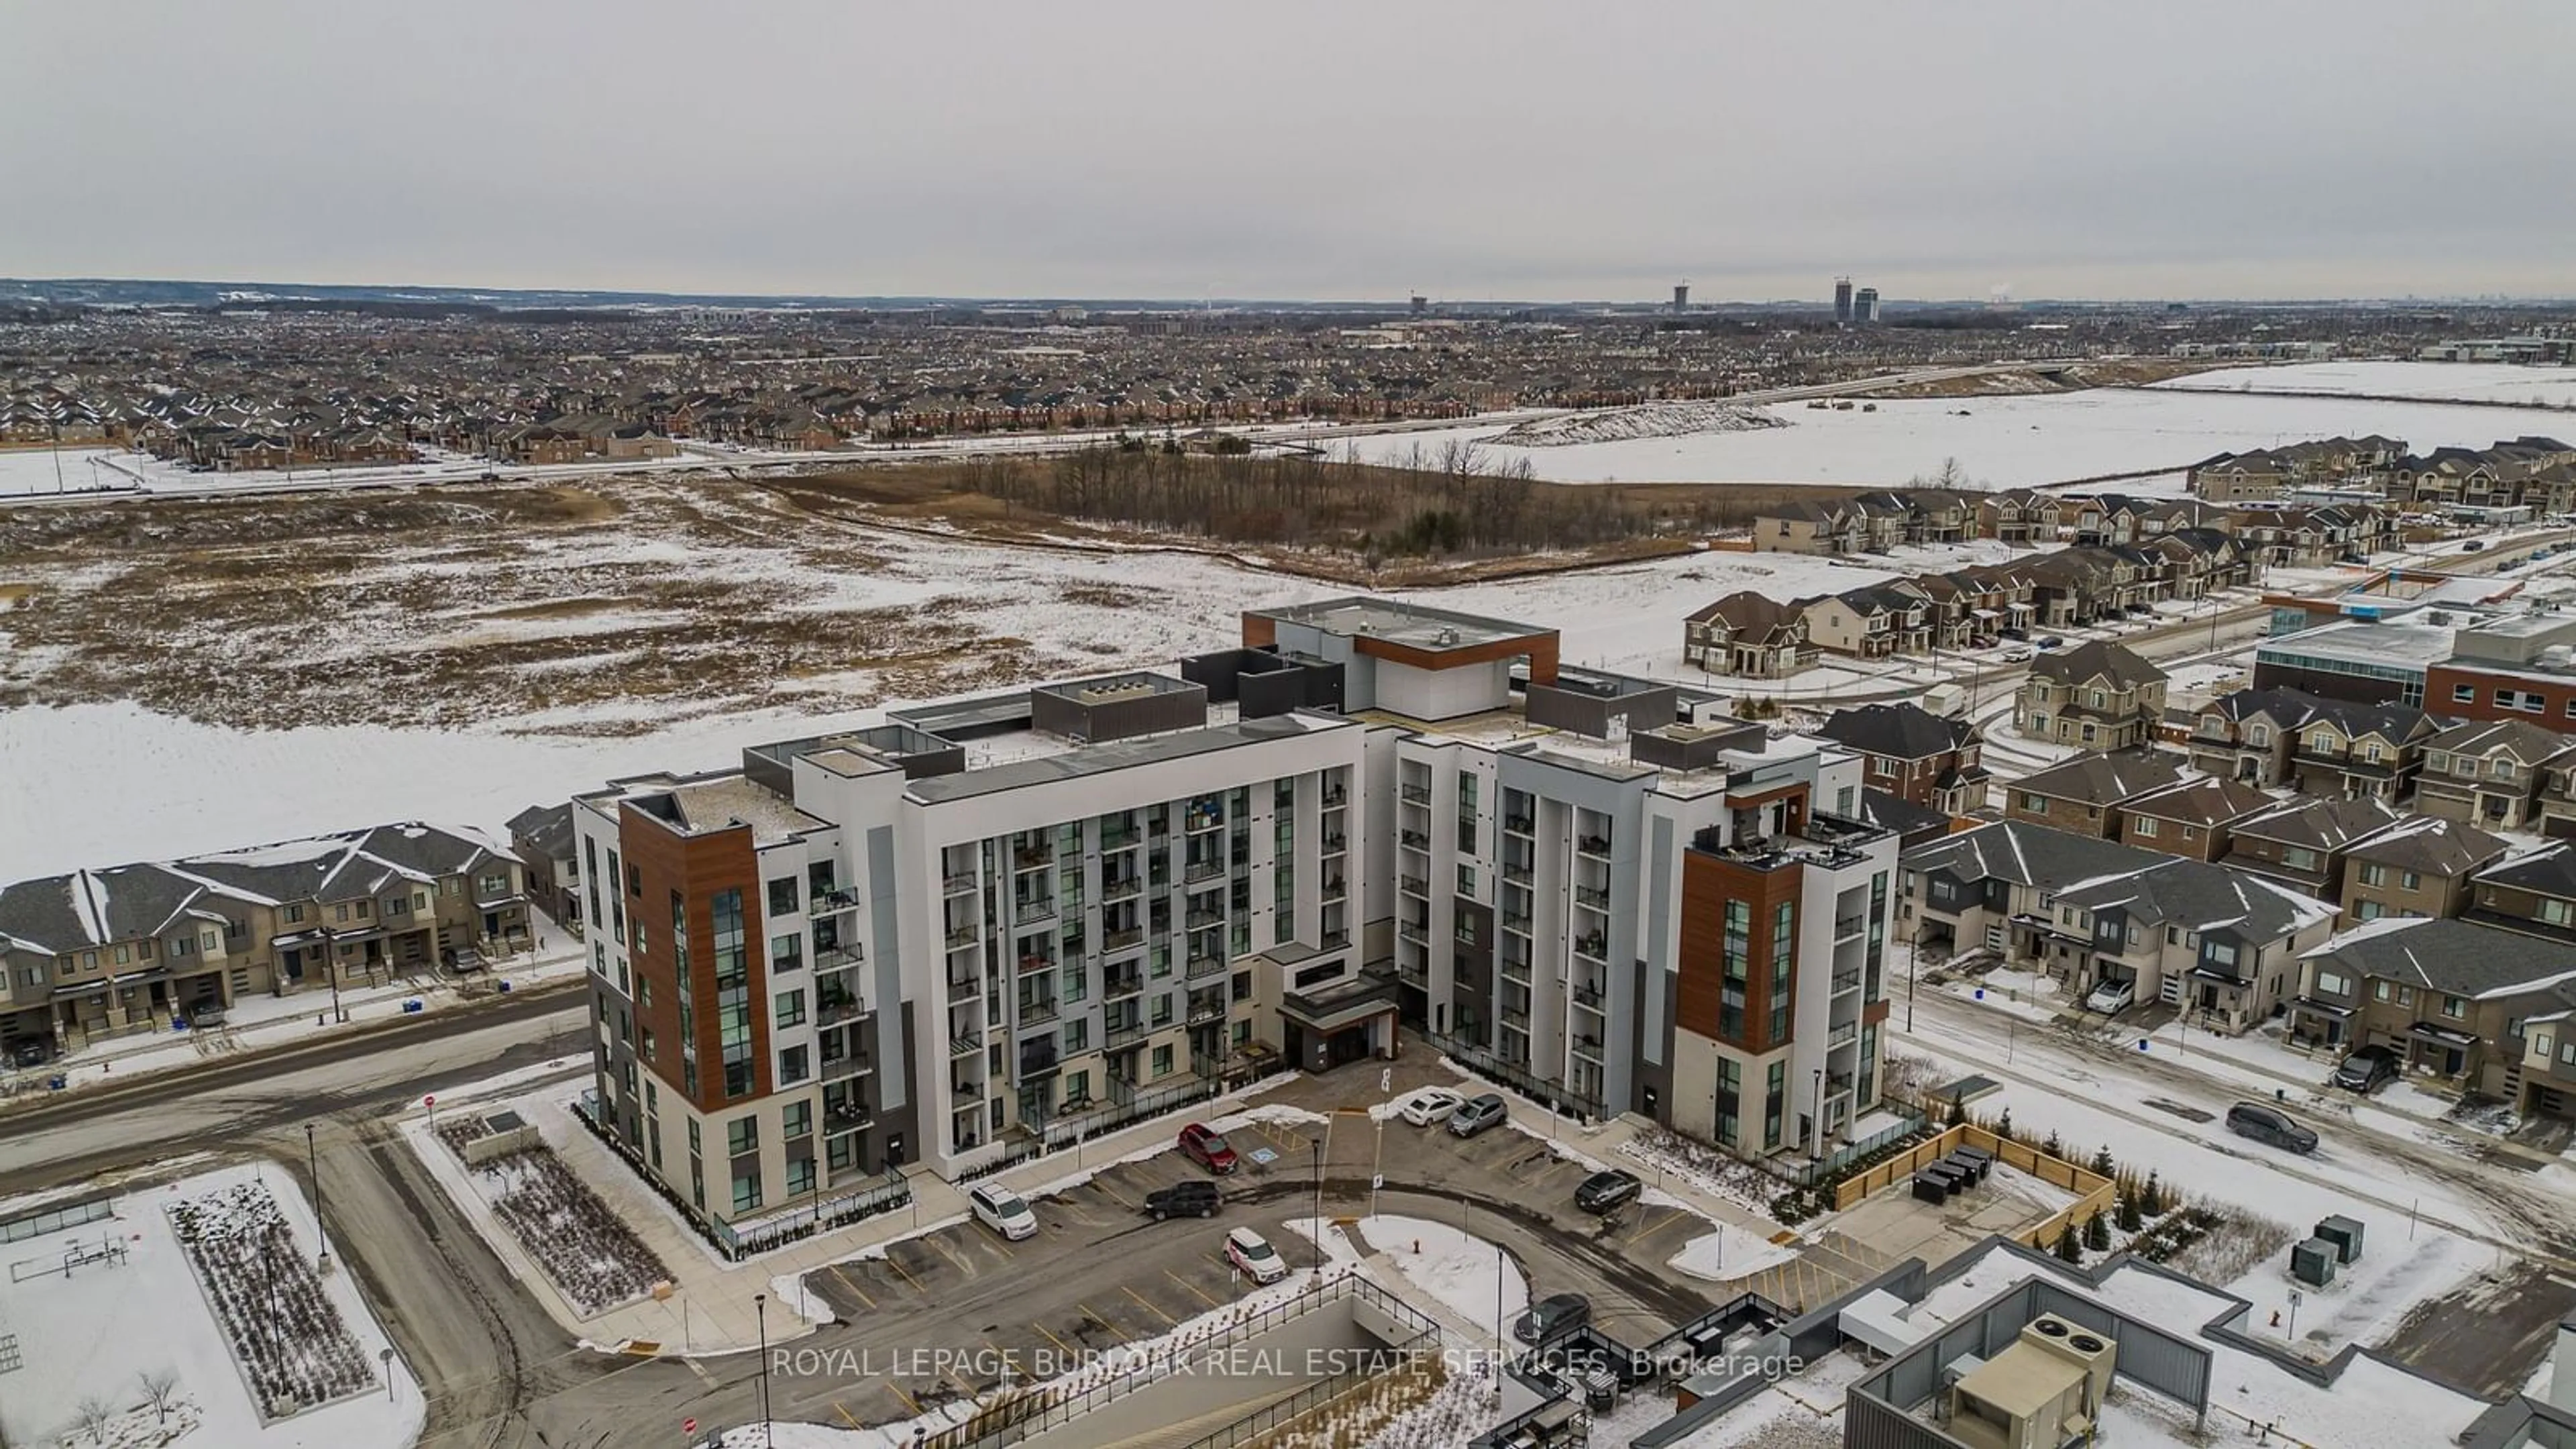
<point x="1448" y="635"/>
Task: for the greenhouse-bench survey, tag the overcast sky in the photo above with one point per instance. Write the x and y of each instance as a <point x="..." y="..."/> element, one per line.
<point x="1479" y="149"/>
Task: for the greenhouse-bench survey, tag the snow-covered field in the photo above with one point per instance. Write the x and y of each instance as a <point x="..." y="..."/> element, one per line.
<point x="43" y="470"/>
<point x="2483" y="382"/>
<point x="2000" y="442"/>
<point x="1468" y="1275"/>
<point x="1651" y="420"/>
<point x="1728" y="1254"/>
<point x="93" y="1335"/>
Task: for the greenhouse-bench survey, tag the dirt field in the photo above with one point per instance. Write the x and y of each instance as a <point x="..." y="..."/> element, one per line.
<point x="2127" y="372"/>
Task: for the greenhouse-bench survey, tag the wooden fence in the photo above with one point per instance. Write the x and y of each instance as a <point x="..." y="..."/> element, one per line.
<point x="2094" y="1193"/>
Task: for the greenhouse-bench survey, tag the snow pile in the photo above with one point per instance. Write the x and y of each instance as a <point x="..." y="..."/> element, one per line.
<point x="1469" y="1276"/>
<point x="1728" y="1254"/>
<point x="1651" y="420"/>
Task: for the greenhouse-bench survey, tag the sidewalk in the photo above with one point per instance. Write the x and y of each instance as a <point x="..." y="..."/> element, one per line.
<point x="266" y="1023"/>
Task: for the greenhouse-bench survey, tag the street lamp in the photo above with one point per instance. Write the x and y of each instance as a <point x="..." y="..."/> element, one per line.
<point x="760" y="1315"/>
<point x="313" y="1175"/>
<point x="1315" y="1154"/>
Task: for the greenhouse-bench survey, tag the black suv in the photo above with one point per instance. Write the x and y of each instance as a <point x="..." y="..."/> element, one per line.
<point x="1196" y="1198"/>
<point x="2253" y="1119"/>
<point x="2366" y="1070"/>
<point x="1603" y="1191"/>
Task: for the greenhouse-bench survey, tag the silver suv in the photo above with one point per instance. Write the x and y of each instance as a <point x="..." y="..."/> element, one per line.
<point x="1478" y="1113"/>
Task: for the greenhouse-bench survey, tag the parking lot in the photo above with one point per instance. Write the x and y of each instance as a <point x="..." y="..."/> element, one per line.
<point x="1101" y="1274"/>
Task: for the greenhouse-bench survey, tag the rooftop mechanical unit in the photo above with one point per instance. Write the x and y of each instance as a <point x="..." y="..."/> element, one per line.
<point x="2314" y="1261"/>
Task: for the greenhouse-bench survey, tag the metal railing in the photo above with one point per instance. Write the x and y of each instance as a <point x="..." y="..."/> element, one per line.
<point x="1557" y="1096"/>
<point x="1415" y="794"/>
<point x="832" y="903"/>
<point x="1808" y="1174"/>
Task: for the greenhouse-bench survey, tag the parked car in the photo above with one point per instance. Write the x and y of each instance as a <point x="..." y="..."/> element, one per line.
<point x="2111" y="997"/>
<point x="2016" y="653"/>
<point x="1201" y="1144"/>
<point x="2265" y="1125"/>
<point x="1554" y="1316"/>
<point x="2475" y="545"/>
<point x="1603" y="1191"/>
<point x="1476" y="1115"/>
<point x="1001" y="1209"/>
<point x="2367" y="1070"/>
<point x="1196" y="1198"/>
<point x="29" y="1051"/>
<point x="1431" y="1104"/>
<point x="1252" y="1253"/>
<point x="209" y="1012"/>
<point x="2050" y="641"/>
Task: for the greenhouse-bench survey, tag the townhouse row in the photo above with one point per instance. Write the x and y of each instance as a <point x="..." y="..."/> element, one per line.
<point x="1877" y="522"/>
<point x="2532" y="474"/>
<point x="102" y="953"/>
<point x="1754" y="635"/>
<point x="996" y="923"/>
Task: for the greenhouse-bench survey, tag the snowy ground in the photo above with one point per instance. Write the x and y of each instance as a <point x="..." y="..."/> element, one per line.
<point x="1470" y="1276"/>
<point x="95" y="1333"/>
<point x="1728" y="1254"/>
<point x="2001" y="442"/>
<point x="42" y="470"/>
<point x="2487" y="382"/>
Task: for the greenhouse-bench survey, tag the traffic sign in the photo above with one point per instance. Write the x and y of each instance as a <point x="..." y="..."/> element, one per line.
<point x="688" y="1426"/>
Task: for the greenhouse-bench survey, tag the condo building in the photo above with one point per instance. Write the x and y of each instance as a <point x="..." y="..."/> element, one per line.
<point x="993" y="924"/>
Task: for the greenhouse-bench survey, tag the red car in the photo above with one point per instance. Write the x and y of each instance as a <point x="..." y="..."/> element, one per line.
<point x="1201" y="1144"/>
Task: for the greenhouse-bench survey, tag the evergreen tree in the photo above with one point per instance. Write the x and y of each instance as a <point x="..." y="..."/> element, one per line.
<point x="2003" y="1125"/>
<point x="2097" y="1233"/>
<point x="2130" y="1219"/>
<point x="2053" y="1147"/>
<point x="2152" y="1200"/>
<point x="2068" y="1250"/>
<point x="2102" y="1163"/>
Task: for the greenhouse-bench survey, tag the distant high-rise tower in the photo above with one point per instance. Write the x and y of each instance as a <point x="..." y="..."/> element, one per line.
<point x="1842" y="301"/>
<point x="1681" y="297"/>
<point x="1421" y="304"/>
<point x="1864" y="306"/>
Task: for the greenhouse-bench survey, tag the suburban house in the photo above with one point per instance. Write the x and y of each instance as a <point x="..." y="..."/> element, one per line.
<point x="1748" y="635"/>
<point x="544" y="838"/>
<point x="2548" y="1065"/>
<point x="2489" y="771"/>
<point x="2220" y="945"/>
<point x="102" y="953"/>
<point x="1804" y="526"/>
<point x="2454" y="999"/>
<point x="1914" y="754"/>
<point x="2191" y="817"/>
<point x="2534" y="893"/>
<point x="2017" y="515"/>
<point x="1873" y="621"/>
<point x="2302" y="842"/>
<point x="2098" y="694"/>
<point x="2085" y="795"/>
<point x="2419" y="866"/>
<point x="2281" y="736"/>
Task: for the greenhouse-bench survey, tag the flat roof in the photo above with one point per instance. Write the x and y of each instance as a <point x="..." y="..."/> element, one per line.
<point x="1071" y="762"/>
<point x="1416" y="626"/>
<point x="2395" y="643"/>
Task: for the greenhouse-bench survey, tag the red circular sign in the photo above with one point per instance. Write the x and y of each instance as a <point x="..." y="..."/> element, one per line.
<point x="429" y="1101"/>
<point x="688" y="1426"/>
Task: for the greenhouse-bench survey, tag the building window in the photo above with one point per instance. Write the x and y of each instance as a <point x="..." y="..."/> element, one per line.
<point x="2036" y="804"/>
<point x="1730" y="1092"/>
<point x="2142" y="826"/>
<point x="791" y="1008"/>
<point x="2374" y="874"/>
<point x="795" y="1064"/>
<point x="1163" y="1055"/>
<point x="2504" y="698"/>
<point x="2381" y="991"/>
<point x="800" y="1176"/>
<point x="786" y="953"/>
<point x="796" y="1119"/>
<point x="1077" y="1035"/>
<point x="782" y="896"/>
<point x="1775" y="1104"/>
<point x="746" y="1188"/>
<point x="2464" y="694"/>
<point x="2332" y="983"/>
<point x="2410" y="881"/>
<point x="2455" y="1008"/>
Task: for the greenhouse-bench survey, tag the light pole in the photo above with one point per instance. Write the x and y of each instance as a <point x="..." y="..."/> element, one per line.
<point x="1316" y="1155"/>
<point x="313" y="1175"/>
<point x="760" y="1315"/>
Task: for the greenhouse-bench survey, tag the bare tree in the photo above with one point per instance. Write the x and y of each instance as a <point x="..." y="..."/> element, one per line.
<point x="160" y="1386"/>
<point x="93" y="1414"/>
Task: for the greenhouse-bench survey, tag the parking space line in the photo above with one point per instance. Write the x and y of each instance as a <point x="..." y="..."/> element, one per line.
<point x="963" y="1387"/>
<point x="1070" y="1356"/>
<point x="855" y="1290"/>
<point x="846" y="1416"/>
<point x="952" y="1255"/>
<point x="1097" y="1317"/>
<point x="1678" y="1216"/>
<point x="909" y="1401"/>
<point x="907" y="1275"/>
<point x="1193" y="1287"/>
<point x="1113" y="1194"/>
<point x="1147" y="1305"/>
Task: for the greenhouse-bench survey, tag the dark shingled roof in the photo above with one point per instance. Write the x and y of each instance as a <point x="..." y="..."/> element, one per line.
<point x="1903" y="731"/>
<point x="2457" y="958"/>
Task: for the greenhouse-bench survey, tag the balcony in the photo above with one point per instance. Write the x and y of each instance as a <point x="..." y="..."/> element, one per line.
<point x="1592" y="898"/>
<point x="1332" y="889"/>
<point x="1334" y="940"/>
<point x="964" y="1046"/>
<point x="1519" y="825"/>
<point x="1033" y="912"/>
<point x="1337" y="796"/>
<point x="959" y="884"/>
<point x="1517" y="872"/>
<point x="1846" y="981"/>
<point x="965" y="988"/>
<point x="1121" y="940"/>
<point x="1117" y="1034"/>
<point x="846" y="1066"/>
<point x="1038" y="1013"/>
<point x="1415" y="794"/>
<point x="1333" y="845"/>
<point x="1588" y="1046"/>
<point x="833" y="1010"/>
<point x="1413" y="885"/>
<point x="1199" y="870"/>
<point x="1846" y="927"/>
<point x="1594" y="845"/>
<point x="1588" y="997"/>
<point x="1516" y="923"/>
<point x="1414" y="931"/>
<point x="1032" y="857"/>
<point x="1121" y="890"/>
<point x="963" y="936"/>
<point x="1516" y="1020"/>
<point x="1204" y="1015"/>
<point x="1843" y="1035"/>
<point x="1413" y="839"/>
<point x="850" y="1116"/>
<point x="1158" y="828"/>
<point x="1119" y="837"/>
<point x="1593" y="947"/>
<point x="1200" y="968"/>
<point x="1200" y="822"/>
<point x="832" y="903"/>
<point x="1037" y="961"/>
<point x="1413" y="974"/>
<point x="837" y="958"/>
<point x="1121" y="985"/>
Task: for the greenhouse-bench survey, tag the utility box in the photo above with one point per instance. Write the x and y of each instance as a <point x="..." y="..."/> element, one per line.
<point x="2313" y="1262"/>
<point x="2345" y="1234"/>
